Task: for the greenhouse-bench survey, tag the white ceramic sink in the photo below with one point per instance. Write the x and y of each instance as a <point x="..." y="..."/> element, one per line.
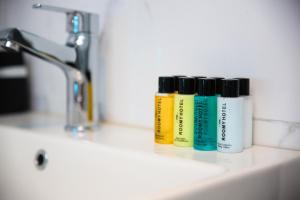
<point x="119" y="162"/>
<point x="79" y="169"/>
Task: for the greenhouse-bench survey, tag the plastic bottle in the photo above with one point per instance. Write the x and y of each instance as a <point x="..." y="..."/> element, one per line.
<point x="247" y="110"/>
<point x="184" y="113"/>
<point x="164" y="111"/>
<point x="230" y="118"/>
<point x="205" y="115"/>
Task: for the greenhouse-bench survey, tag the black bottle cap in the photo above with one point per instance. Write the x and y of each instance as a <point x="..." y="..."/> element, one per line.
<point x="176" y="79"/>
<point x="230" y="88"/>
<point x="196" y="78"/>
<point x="218" y="84"/>
<point x="244" y="86"/>
<point x="186" y="85"/>
<point x="166" y="84"/>
<point x="206" y="87"/>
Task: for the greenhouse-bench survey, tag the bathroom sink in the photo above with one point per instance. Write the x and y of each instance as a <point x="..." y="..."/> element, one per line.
<point x="37" y="166"/>
<point x="122" y="162"/>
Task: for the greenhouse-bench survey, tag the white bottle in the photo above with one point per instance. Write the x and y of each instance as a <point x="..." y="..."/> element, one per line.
<point x="230" y="135"/>
<point x="247" y="110"/>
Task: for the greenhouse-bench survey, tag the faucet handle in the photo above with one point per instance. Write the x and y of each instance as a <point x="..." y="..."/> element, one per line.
<point x="51" y="8"/>
<point x="77" y="21"/>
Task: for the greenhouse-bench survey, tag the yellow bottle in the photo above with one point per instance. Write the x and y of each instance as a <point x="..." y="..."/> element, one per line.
<point x="184" y="113"/>
<point x="164" y="111"/>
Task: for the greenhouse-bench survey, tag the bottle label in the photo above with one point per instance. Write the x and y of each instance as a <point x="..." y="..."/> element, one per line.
<point x="164" y="112"/>
<point x="201" y="121"/>
<point x="180" y="117"/>
<point x="222" y="124"/>
<point x="223" y="121"/>
<point x="205" y="120"/>
<point x="184" y="120"/>
<point x="158" y="120"/>
<point x="230" y="125"/>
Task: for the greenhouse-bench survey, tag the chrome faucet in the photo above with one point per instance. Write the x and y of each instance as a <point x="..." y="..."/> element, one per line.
<point x="77" y="59"/>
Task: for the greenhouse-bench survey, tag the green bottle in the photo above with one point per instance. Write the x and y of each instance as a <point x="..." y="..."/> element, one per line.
<point x="184" y="113"/>
<point x="205" y="115"/>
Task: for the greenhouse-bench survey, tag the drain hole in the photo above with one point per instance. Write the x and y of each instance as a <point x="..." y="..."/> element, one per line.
<point x="41" y="159"/>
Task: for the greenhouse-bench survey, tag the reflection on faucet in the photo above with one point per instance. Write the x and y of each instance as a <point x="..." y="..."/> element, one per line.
<point x="77" y="60"/>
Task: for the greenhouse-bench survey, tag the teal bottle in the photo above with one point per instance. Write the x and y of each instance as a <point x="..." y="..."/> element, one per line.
<point x="205" y="115"/>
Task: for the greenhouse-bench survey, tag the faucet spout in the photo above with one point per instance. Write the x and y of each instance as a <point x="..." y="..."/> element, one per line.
<point x="64" y="57"/>
<point x="17" y="40"/>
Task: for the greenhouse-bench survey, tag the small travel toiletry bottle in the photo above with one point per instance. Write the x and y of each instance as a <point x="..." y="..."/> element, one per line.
<point x="218" y="85"/>
<point x="205" y="115"/>
<point x="230" y="136"/>
<point x="176" y="79"/>
<point x="164" y="111"/>
<point x="184" y="113"/>
<point x="248" y="112"/>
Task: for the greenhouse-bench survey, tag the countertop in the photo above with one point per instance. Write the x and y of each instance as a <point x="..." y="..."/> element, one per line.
<point x="138" y="139"/>
<point x="141" y="141"/>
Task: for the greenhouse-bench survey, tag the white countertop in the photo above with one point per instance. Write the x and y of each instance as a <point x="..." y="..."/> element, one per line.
<point x="141" y="141"/>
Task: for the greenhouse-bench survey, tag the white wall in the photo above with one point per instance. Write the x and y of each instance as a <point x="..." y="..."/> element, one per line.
<point x="142" y="39"/>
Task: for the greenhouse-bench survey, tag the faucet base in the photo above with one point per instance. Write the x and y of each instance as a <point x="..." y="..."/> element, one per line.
<point x="80" y="129"/>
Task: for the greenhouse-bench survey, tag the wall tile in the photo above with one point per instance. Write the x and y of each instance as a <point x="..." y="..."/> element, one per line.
<point x="277" y="133"/>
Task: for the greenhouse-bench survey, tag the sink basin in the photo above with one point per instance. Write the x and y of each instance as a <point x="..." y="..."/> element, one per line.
<point x="79" y="169"/>
<point x="122" y="162"/>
